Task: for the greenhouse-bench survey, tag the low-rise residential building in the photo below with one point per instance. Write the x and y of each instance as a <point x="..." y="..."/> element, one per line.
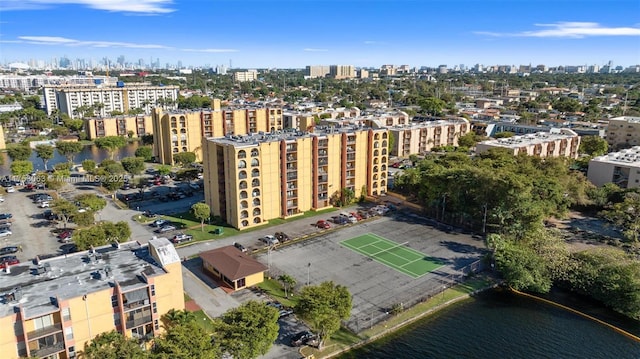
<point x="555" y="143"/>
<point x="51" y="309"/>
<point x="233" y="268"/>
<point x="621" y="168"/>
<point x="252" y="179"/>
<point x="623" y="132"/>
<point x="184" y="130"/>
<point x="422" y="137"/>
<point x="137" y="126"/>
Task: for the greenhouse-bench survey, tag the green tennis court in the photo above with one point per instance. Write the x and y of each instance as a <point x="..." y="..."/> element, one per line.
<point x="395" y="255"/>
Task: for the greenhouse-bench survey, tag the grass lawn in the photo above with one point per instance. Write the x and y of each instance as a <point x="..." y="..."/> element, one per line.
<point x="341" y="339"/>
<point x="275" y="290"/>
<point x="204" y="321"/>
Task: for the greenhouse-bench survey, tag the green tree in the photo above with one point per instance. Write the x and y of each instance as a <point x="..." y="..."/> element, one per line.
<point x="432" y="106"/>
<point x="626" y="214"/>
<point x="91" y="201"/>
<point x="21" y="168"/>
<point x="69" y="149"/>
<point x="185" y="341"/>
<point x="111" y="174"/>
<point x="113" y="345"/>
<point x="89" y="165"/>
<point x="163" y="170"/>
<point x="468" y="140"/>
<point x="184" y="159"/>
<point x="133" y="165"/>
<point x="201" y="211"/>
<point x="177" y="317"/>
<point x="19" y="153"/>
<point x="145" y="152"/>
<point x="247" y="331"/>
<point x="84" y="219"/>
<point x="593" y="145"/>
<point x="323" y="307"/>
<point x="64" y="210"/>
<point x="73" y="124"/>
<point x="505" y="134"/>
<point x="45" y="153"/>
<point x="287" y="281"/>
<point x="111" y="144"/>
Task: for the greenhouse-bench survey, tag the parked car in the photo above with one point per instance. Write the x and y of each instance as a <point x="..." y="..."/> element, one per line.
<point x="65" y="236"/>
<point x="276" y="305"/>
<point x="339" y="220"/>
<point x="10" y="189"/>
<point x="364" y="214"/>
<point x="181" y="237"/>
<point x="240" y="247"/>
<point x="44" y="204"/>
<point x="8" y="250"/>
<point x="5" y="233"/>
<point x="6" y="215"/>
<point x="270" y="240"/>
<point x="166" y="228"/>
<point x="49" y="215"/>
<point x="356" y="215"/>
<point x="159" y="223"/>
<point x="285" y="312"/>
<point x="282" y="237"/>
<point x="68" y="248"/>
<point x="323" y="224"/>
<point x="349" y="217"/>
<point x="42" y="198"/>
<point x="302" y="338"/>
<point x="149" y="214"/>
<point x="8" y="260"/>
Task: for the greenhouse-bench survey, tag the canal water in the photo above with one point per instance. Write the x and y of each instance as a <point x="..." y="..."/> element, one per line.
<point x="91" y="152"/>
<point x="499" y="324"/>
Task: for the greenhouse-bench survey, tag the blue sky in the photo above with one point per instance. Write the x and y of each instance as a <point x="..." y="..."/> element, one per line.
<point x="296" y="33"/>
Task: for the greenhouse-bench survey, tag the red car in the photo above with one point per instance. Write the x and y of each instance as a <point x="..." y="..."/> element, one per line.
<point x="323" y="224"/>
<point x="358" y="217"/>
<point x="8" y="260"/>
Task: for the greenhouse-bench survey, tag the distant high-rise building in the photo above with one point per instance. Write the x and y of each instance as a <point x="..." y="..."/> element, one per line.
<point x="316" y="71"/>
<point x="221" y="70"/>
<point x="442" y="69"/>
<point x="121" y="60"/>
<point x="243" y="76"/>
<point x="342" y="71"/>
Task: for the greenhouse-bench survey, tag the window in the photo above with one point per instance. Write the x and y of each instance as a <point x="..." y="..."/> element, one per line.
<point x="68" y="333"/>
<point x="155" y="324"/>
<point x="153" y="289"/>
<point x="66" y="314"/>
<point x="155" y="307"/>
<point x="72" y="352"/>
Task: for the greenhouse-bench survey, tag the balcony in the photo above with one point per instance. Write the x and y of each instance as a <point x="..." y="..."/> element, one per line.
<point x="43" y="332"/>
<point x="323" y="162"/>
<point x="48" y="350"/>
<point x="138" y="321"/>
<point x="292" y="176"/>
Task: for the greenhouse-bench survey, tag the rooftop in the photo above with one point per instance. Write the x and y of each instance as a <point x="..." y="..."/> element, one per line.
<point x="39" y="286"/>
<point x="630" y="156"/>
<point x="232" y="263"/>
<point x="630" y="119"/>
<point x="532" y="138"/>
<point x="288" y="134"/>
<point x="427" y="124"/>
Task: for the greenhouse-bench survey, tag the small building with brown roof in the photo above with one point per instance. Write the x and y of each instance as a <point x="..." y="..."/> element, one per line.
<point x="232" y="267"/>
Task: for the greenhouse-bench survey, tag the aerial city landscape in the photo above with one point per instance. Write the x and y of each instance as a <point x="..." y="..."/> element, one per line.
<point x="318" y="179"/>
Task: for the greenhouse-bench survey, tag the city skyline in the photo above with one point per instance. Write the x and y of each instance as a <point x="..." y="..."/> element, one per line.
<point x="294" y="34"/>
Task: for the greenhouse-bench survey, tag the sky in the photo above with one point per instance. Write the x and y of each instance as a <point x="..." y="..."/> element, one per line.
<point x="297" y="33"/>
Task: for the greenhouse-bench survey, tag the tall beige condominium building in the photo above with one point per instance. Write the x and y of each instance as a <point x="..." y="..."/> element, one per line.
<point x="183" y="131"/>
<point x="53" y="308"/>
<point x="557" y="143"/>
<point x="252" y="179"/>
<point x="342" y="71"/>
<point x="419" y="138"/>
<point x="317" y="71"/>
<point x="621" y="168"/>
<point x="106" y="99"/>
<point x="623" y="132"/>
<point x="243" y="76"/>
<point x="139" y="125"/>
<point x="3" y="144"/>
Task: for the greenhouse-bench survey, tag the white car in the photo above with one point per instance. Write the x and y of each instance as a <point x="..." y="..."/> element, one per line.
<point x="5" y="233"/>
<point x="44" y="204"/>
<point x="270" y="240"/>
<point x="1" y="199"/>
<point x="11" y="189"/>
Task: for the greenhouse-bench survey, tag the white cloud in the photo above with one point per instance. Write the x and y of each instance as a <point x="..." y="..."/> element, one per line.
<point x="56" y="40"/>
<point x="372" y="42"/>
<point x="576" y="30"/>
<point x="314" y="50"/>
<point x="130" y="6"/>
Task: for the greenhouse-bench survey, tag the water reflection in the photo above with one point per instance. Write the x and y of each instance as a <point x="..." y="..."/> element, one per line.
<point x="88" y="152"/>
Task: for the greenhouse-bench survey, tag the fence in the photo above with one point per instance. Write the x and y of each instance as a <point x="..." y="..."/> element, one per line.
<point x="433" y="288"/>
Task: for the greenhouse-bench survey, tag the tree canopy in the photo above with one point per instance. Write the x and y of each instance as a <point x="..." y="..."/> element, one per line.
<point x="201" y="211"/>
<point x="110" y="143"/>
<point x="19" y="153"/>
<point x="145" y="152"/>
<point x="113" y="345"/>
<point x="69" y="149"/>
<point x="593" y="145"/>
<point x="45" y="153"/>
<point x="21" y="168"/>
<point x="247" y="331"/>
<point x="133" y="165"/>
<point x="184" y="158"/>
<point x="324" y="306"/>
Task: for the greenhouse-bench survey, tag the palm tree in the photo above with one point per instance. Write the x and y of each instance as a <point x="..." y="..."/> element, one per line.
<point x="288" y="282"/>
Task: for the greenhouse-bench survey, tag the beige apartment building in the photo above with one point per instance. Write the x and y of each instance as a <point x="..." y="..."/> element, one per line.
<point x="51" y="309"/>
<point x="139" y="125"/>
<point x="254" y="178"/>
<point x="184" y="131"/>
<point x="623" y="132"/>
<point x="621" y="168"/>
<point x="244" y="76"/>
<point x="3" y="144"/>
<point x="110" y="98"/>
<point x="422" y="137"/>
<point x="556" y="143"/>
<point x="342" y="71"/>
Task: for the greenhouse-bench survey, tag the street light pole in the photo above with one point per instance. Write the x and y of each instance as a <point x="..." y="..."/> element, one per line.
<point x="484" y="219"/>
<point x="308" y="272"/>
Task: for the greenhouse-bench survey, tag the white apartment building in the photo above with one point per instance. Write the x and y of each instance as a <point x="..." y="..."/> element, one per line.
<point x="243" y="76"/>
<point x="621" y="168"/>
<point x="556" y="143"/>
<point x="68" y="98"/>
<point x="25" y="83"/>
<point x="422" y="137"/>
<point x="623" y="132"/>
